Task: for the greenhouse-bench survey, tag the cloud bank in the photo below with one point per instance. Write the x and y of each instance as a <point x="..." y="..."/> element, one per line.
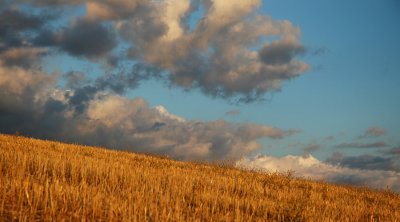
<point x="366" y="161"/>
<point x="393" y="151"/>
<point x="310" y="167"/>
<point x="31" y="104"/>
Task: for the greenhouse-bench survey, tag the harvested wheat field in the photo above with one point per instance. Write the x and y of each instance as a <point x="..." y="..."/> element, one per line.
<point x="43" y="180"/>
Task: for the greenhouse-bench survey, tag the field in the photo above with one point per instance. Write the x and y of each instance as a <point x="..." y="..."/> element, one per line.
<point x="43" y="180"/>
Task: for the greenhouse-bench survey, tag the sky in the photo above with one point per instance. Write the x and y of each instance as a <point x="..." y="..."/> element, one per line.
<point x="309" y="86"/>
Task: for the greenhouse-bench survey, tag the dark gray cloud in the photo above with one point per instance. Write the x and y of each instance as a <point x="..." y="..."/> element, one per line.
<point x="90" y="39"/>
<point x="81" y="91"/>
<point x="17" y="29"/>
<point x="83" y="38"/>
<point x="280" y="52"/>
<point x="393" y="151"/>
<point x="21" y="101"/>
<point x="217" y="55"/>
<point x="379" y="144"/>
<point x="366" y="161"/>
<point x="14" y="19"/>
<point x="50" y="2"/>
<point x="119" y="82"/>
<point x="225" y="58"/>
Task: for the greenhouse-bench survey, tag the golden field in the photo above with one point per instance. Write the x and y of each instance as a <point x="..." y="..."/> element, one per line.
<point x="43" y="180"/>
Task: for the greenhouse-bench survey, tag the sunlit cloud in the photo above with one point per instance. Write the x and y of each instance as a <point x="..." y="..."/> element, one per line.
<point x="312" y="168"/>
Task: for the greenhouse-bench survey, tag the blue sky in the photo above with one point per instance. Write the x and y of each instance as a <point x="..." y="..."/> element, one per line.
<point x="354" y="85"/>
<point x="355" y="82"/>
<point x="326" y="74"/>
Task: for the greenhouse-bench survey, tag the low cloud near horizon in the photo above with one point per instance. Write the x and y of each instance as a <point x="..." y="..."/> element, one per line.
<point x="379" y="144"/>
<point x="311" y="168"/>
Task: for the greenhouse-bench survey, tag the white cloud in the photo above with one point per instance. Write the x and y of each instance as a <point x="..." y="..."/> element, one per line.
<point x="164" y="112"/>
<point x="310" y="167"/>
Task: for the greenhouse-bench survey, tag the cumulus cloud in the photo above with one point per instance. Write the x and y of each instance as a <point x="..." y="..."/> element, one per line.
<point x="30" y="103"/>
<point x="310" y="167"/>
<point x="17" y="20"/>
<point x="24" y="104"/>
<point x="225" y="54"/>
<point x="13" y="24"/>
<point x="157" y="131"/>
<point x="83" y="38"/>
<point x="218" y="57"/>
<point x="79" y="39"/>
<point x="379" y="144"/>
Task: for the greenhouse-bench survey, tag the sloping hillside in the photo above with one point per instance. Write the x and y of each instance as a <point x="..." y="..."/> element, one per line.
<point x="54" y="181"/>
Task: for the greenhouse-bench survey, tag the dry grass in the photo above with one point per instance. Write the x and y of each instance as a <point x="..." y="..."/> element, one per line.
<point x="41" y="180"/>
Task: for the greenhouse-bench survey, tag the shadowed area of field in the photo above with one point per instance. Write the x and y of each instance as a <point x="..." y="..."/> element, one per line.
<point x="43" y="180"/>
